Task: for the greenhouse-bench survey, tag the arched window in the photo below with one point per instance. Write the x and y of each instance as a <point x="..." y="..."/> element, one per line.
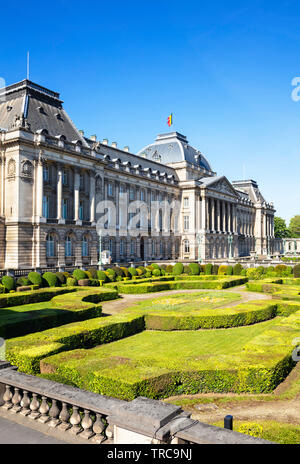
<point x="68" y="246"/>
<point x="84" y="246"/>
<point x="186" y="245"/>
<point x="50" y="250"/>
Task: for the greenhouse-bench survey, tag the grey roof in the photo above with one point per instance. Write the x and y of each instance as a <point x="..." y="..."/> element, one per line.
<point x="173" y="148"/>
<point x="41" y="108"/>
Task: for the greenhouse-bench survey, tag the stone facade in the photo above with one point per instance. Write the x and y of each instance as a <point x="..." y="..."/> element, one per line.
<point x="53" y="178"/>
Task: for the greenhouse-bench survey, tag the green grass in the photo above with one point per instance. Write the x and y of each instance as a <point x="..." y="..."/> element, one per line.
<point x="282" y="433"/>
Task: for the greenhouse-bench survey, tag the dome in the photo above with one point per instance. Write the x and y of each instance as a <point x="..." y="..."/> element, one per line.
<point x="173" y="148"/>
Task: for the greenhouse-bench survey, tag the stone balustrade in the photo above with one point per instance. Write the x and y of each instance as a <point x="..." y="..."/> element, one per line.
<point x="88" y="417"/>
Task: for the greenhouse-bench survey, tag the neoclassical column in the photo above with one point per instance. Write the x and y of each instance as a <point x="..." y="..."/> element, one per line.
<point x="59" y="193"/>
<point x="206" y="213"/>
<point x="92" y="197"/>
<point x="218" y="216"/>
<point x="76" y="196"/>
<point x="213" y="214"/>
<point x="39" y="188"/>
<point x="203" y="213"/>
<point x="224" y="216"/>
<point x="229" y="217"/>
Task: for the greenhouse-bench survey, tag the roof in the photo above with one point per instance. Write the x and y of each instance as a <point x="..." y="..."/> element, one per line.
<point x="174" y="147"/>
<point x="41" y="108"/>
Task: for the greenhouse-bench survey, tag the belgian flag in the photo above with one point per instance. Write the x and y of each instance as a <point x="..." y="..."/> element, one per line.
<point x="170" y="120"/>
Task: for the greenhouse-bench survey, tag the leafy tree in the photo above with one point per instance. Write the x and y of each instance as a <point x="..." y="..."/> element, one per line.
<point x="295" y="226"/>
<point x="280" y="228"/>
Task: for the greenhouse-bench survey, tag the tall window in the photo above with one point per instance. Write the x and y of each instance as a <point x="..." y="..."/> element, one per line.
<point x="110" y="245"/>
<point x="81" y="184"/>
<point x="84" y="247"/>
<point x="65" y="208"/>
<point x="46" y="173"/>
<point x="186" y="245"/>
<point x="186" y="202"/>
<point x="68" y="246"/>
<point x="45" y="206"/>
<point x="122" y="247"/>
<point x="109" y="189"/>
<point x="131" y="193"/>
<point x="65" y="177"/>
<point x="153" y="248"/>
<point x="132" y="247"/>
<point x="186" y="222"/>
<point x="142" y="195"/>
<point x="50" y="246"/>
<point x="81" y="210"/>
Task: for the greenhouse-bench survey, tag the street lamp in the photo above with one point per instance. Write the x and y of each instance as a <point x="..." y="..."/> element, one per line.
<point x="100" y="250"/>
<point x="230" y="240"/>
<point x="199" y="237"/>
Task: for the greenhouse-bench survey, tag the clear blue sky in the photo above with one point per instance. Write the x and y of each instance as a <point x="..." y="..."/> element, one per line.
<point x="224" y="69"/>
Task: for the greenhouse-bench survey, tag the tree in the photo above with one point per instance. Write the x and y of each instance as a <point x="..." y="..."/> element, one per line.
<point x="280" y="228"/>
<point x="295" y="226"/>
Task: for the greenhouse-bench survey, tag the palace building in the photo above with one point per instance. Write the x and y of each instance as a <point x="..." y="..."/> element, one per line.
<point x="53" y="178"/>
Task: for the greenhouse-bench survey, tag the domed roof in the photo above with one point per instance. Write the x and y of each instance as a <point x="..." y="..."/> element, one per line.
<point x="174" y="148"/>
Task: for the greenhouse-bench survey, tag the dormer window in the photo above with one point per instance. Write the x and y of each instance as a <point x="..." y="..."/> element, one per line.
<point x="8" y="108"/>
<point x="41" y="110"/>
<point x="59" y="116"/>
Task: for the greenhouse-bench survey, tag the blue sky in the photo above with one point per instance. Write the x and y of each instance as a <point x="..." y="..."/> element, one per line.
<point x="224" y="69"/>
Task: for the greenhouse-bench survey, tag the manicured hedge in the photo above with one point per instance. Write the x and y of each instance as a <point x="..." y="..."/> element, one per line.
<point x="35" y="278"/>
<point x="50" y="279"/>
<point x="8" y="283"/>
<point x="17" y="299"/>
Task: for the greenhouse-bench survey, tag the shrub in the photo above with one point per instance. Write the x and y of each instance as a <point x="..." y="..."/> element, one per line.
<point x="229" y="270"/>
<point x="282" y="270"/>
<point x="254" y="273"/>
<point x="9" y="283"/>
<point x="119" y="272"/>
<point x="79" y="274"/>
<point x="186" y="269"/>
<point x="132" y="271"/>
<point x="237" y="269"/>
<point x="35" y="278"/>
<point x="215" y="269"/>
<point x="148" y="274"/>
<point x="208" y="269"/>
<point x="155" y="266"/>
<point x="143" y="269"/>
<point x="169" y="269"/>
<point x="60" y="277"/>
<point x="71" y="282"/>
<point x="139" y="271"/>
<point x="163" y="272"/>
<point x="195" y="269"/>
<point x="23" y="282"/>
<point x="93" y="273"/>
<point x="102" y="276"/>
<point x="255" y="430"/>
<point x="125" y="272"/>
<point x="222" y="270"/>
<point x="297" y="270"/>
<point x="50" y="278"/>
<point x="243" y="272"/>
<point x="178" y="269"/>
<point x="156" y="272"/>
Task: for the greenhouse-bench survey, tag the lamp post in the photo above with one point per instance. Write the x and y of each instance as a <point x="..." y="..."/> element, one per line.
<point x="100" y="250"/>
<point x="230" y="240"/>
<point x="199" y="237"/>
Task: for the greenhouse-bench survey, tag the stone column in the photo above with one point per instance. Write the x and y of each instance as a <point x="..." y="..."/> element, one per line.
<point x="59" y="194"/>
<point x="213" y="227"/>
<point x="76" y="197"/>
<point x="203" y="213"/>
<point x="218" y="216"/>
<point x="39" y="189"/>
<point x="207" y="213"/>
<point x="223" y="216"/>
<point x="92" y="197"/>
<point x="229" y="206"/>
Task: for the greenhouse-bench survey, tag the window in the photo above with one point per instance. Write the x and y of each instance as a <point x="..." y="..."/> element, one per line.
<point x="153" y="248"/>
<point x="186" y="245"/>
<point x="131" y="194"/>
<point x="81" y="210"/>
<point x="84" y="247"/>
<point x="142" y="195"/>
<point x="110" y="246"/>
<point x="132" y="247"/>
<point x="50" y="246"/>
<point x="186" y="202"/>
<point x="186" y="222"/>
<point x="68" y="246"/>
<point x="121" y="247"/>
<point x="109" y="189"/>
<point x="65" y="208"/>
<point x="81" y="184"/>
<point x="65" y="177"/>
<point x="45" y="206"/>
<point x="161" y="248"/>
<point x="46" y="173"/>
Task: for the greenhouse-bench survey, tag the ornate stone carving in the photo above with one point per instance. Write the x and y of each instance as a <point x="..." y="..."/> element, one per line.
<point x="11" y="168"/>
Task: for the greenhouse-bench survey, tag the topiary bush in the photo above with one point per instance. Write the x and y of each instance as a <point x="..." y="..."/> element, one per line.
<point x="282" y="270"/>
<point x="254" y="273"/>
<point x="229" y="270"/>
<point x="50" y="279"/>
<point x="169" y="269"/>
<point x="178" y="269"/>
<point x="9" y="283"/>
<point x="61" y="277"/>
<point x="156" y="272"/>
<point x="155" y="266"/>
<point x="102" y="276"/>
<point x="79" y="274"/>
<point x="35" y="278"/>
<point x="222" y="270"/>
<point x="119" y="272"/>
<point x="71" y="282"/>
<point x="132" y="271"/>
<point x="215" y="269"/>
<point x="187" y="269"/>
<point x="297" y="271"/>
<point x="23" y="282"/>
<point x="93" y="273"/>
<point x="143" y="269"/>
<point x="208" y="269"/>
<point x="195" y="269"/>
<point x="237" y="269"/>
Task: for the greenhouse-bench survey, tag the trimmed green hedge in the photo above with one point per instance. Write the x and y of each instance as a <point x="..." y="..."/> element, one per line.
<point x="36" y="296"/>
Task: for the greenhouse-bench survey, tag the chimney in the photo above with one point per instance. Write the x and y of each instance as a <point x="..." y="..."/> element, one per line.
<point x="105" y="141"/>
<point x="114" y="144"/>
<point x="93" y="137"/>
<point x="126" y="148"/>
